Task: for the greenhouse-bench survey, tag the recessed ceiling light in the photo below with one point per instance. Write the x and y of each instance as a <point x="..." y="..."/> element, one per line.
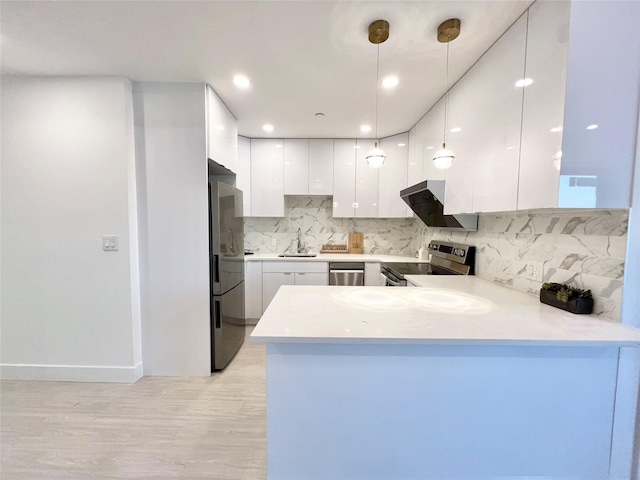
<point x="365" y="128"/>
<point x="241" y="81"/>
<point x="592" y="127"/>
<point x="510" y="148"/>
<point x="357" y="146"/>
<point x="524" y="82"/>
<point x="277" y="145"/>
<point x="267" y="127"/>
<point x="219" y="127"/>
<point x="390" y="82"/>
<point x="430" y="148"/>
<point x="455" y="130"/>
<point x="401" y="144"/>
<point x="556" y="129"/>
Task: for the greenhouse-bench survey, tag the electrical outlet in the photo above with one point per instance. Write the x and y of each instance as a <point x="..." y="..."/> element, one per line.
<point x="535" y="270"/>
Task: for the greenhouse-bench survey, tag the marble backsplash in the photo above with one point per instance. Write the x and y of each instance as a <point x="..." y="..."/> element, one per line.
<point x="583" y="250"/>
<point x="313" y="216"/>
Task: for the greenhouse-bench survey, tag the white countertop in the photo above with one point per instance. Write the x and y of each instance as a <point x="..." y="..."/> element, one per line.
<point x="448" y="310"/>
<point x="334" y="257"/>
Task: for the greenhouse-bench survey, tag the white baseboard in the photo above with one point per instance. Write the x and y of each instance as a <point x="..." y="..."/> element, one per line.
<point x="71" y="373"/>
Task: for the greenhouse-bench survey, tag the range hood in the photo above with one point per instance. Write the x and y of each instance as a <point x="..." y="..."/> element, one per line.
<point x="425" y="199"/>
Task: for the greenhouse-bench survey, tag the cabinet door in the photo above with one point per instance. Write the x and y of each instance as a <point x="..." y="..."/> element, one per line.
<point x="222" y="132"/>
<point x="372" y="274"/>
<point x="267" y="178"/>
<point x="312" y="278"/>
<point x="366" y="182"/>
<point x="243" y="175"/>
<point x="271" y="283"/>
<point x="601" y="93"/>
<point x="296" y="166"/>
<point x="253" y="290"/>
<point x="321" y="166"/>
<point x="542" y="115"/>
<point x="431" y="131"/>
<point x="484" y="129"/>
<point x="344" y="178"/>
<point x="392" y="177"/>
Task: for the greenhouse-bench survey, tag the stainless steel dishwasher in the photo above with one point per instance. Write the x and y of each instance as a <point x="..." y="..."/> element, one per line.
<point x="346" y="273"/>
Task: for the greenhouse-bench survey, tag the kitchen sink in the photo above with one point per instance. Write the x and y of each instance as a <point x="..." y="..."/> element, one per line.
<point x="297" y="255"/>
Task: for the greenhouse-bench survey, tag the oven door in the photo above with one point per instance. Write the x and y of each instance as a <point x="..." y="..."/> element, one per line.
<point x="388" y="281"/>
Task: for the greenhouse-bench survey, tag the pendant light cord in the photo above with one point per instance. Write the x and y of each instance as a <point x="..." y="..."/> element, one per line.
<point x="377" y="90"/>
<point x="446" y="98"/>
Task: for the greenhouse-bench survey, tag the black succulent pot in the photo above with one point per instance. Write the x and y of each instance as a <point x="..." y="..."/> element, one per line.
<point x="574" y="305"/>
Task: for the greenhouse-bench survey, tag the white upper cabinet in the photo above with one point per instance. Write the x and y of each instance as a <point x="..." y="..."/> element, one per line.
<point x="430" y="131"/>
<point x="321" y="166"/>
<point x="601" y="105"/>
<point x="267" y="178"/>
<point x="484" y="129"/>
<point x="542" y="116"/>
<point x="414" y="159"/>
<point x="392" y="176"/>
<point x="366" y="181"/>
<point x="243" y="174"/>
<point x="222" y="132"/>
<point x="344" y="177"/>
<point x="296" y="166"/>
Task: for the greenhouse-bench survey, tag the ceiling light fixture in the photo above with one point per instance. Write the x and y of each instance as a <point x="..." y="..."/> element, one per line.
<point x="524" y="82"/>
<point x="592" y="127"/>
<point x="365" y="128"/>
<point x="241" y="81"/>
<point x="447" y="31"/>
<point x="390" y="82"/>
<point x="267" y="127"/>
<point x="455" y="130"/>
<point x="378" y="33"/>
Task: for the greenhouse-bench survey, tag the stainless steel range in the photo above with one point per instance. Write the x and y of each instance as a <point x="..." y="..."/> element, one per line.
<point x="446" y="259"/>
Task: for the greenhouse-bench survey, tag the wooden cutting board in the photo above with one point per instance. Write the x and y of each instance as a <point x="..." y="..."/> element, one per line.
<point x="356" y="243"/>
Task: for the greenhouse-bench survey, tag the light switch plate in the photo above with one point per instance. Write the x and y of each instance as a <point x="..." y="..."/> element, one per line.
<point x="110" y="243"/>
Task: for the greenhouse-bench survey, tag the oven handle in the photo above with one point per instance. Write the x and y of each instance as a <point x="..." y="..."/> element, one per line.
<point x="391" y="283"/>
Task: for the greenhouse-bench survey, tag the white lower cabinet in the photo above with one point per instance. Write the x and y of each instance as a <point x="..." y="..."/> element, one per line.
<point x="271" y="283"/>
<point x="372" y="274"/>
<point x="253" y="291"/>
<point x="276" y="274"/>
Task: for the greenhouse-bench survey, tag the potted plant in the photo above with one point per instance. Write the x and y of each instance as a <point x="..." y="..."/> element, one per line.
<point x="571" y="299"/>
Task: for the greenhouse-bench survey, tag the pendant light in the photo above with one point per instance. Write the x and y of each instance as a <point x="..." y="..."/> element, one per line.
<point x="447" y="31"/>
<point x="378" y="33"/>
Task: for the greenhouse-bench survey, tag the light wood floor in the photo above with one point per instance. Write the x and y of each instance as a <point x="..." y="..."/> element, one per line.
<point x="157" y="428"/>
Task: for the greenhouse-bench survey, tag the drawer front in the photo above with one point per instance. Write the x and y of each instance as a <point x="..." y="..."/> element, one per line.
<point x="296" y="267"/>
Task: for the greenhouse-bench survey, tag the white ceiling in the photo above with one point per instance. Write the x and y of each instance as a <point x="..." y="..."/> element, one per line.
<point x="302" y="56"/>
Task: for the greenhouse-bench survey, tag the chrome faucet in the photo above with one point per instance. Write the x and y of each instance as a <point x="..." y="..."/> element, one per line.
<point x="299" y="250"/>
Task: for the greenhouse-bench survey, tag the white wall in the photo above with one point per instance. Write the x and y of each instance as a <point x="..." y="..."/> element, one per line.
<point x="69" y="310"/>
<point x="630" y="358"/>
<point x="173" y="220"/>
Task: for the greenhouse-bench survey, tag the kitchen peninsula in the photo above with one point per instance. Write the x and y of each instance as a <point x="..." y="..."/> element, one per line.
<point x="459" y="379"/>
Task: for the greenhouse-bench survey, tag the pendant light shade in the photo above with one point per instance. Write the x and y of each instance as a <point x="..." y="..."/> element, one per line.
<point x="376" y="157"/>
<point x="378" y="33"/>
<point x="447" y="31"/>
<point x="443" y="158"/>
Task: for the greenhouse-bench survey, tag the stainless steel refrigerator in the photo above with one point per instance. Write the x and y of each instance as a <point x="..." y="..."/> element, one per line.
<point x="226" y="267"/>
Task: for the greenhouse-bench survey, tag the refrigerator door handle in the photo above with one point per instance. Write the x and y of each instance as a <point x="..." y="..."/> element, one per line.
<point x="216" y="314"/>
<point x="216" y="269"/>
